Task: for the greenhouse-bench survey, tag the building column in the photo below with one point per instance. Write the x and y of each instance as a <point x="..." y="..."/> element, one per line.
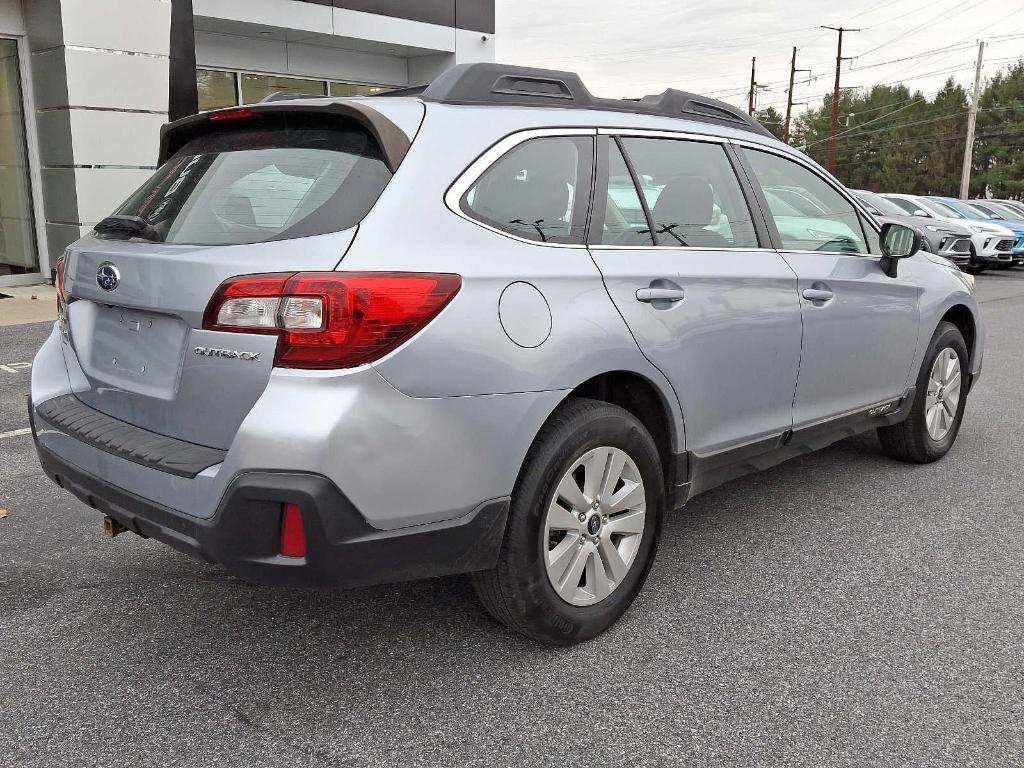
<point x="100" y="86"/>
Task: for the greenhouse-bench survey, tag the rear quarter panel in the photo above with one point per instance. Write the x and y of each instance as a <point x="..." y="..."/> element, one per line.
<point x="465" y="350"/>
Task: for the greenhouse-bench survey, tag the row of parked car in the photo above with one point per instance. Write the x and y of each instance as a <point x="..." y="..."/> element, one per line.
<point x="974" y="234"/>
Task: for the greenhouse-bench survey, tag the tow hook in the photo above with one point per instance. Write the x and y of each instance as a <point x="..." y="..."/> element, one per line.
<point x="111" y="527"/>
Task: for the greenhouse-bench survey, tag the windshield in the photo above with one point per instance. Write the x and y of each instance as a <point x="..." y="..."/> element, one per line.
<point x="1005" y="211"/>
<point x="982" y="211"/>
<point x="880" y="205"/>
<point x="941" y="209"/>
<point x="254" y="185"/>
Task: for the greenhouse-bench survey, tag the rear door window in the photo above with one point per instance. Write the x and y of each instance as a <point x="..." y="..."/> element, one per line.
<point x="539" y="190"/>
<point x="254" y="185"/>
<point x="692" y="193"/>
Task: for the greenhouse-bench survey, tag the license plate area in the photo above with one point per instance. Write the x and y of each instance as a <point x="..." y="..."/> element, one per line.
<point x="129" y="349"/>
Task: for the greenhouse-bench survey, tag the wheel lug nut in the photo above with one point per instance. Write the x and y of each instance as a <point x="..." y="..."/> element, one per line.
<point x="582" y="517"/>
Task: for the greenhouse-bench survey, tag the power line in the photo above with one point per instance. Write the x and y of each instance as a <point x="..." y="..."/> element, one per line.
<point x="945" y="15"/>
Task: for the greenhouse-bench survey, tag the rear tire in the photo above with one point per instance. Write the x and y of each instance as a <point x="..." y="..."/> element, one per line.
<point x="930" y="430"/>
<point x="523" y="590"/>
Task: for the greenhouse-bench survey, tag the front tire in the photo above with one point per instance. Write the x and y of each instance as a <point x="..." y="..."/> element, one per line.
<point x="930" y="430"/>
<point x="583" y="526"/>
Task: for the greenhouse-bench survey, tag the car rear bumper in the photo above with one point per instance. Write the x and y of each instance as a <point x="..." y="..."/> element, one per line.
<point x="342" y="549"/>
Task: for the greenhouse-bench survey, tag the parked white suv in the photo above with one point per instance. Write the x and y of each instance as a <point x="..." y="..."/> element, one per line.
<point x="992" y="243"/>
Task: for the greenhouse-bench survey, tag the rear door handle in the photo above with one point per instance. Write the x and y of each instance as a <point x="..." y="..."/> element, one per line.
<point x="649" y="295"/>
<point x="818" y="294"/>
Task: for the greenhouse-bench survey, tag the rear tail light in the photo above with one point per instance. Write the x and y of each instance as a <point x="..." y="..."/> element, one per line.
<point x="327" y="320"/>
<point x="293" y="535"/>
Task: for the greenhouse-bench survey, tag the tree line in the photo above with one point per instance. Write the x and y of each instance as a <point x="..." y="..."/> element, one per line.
<point x="892" y="139"/>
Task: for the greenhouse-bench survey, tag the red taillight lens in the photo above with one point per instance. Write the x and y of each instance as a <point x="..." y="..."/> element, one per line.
<point x="331" y="319"/>
<point x="293" y="535"/>
<point x="59" y="283"/>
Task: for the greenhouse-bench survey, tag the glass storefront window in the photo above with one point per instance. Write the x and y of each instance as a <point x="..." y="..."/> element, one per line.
<point x="216" y="89"/>
<point x="255" y="88"/>
<point x="18" y="254"/>
<point x="351" y="89"/>
<point x="219" y="89"/>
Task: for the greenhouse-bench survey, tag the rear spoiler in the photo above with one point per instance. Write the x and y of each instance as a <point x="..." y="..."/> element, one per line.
<point x="393" y="142"/>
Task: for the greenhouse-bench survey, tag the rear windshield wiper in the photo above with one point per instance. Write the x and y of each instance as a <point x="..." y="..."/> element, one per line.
<point x="128" y="226"/>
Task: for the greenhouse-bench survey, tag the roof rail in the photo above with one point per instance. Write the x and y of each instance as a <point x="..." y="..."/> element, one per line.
<point x="507" y="85"/>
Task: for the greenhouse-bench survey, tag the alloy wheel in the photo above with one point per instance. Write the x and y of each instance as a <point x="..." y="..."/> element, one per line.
<point x="593" y="526"/>
<point x="943" y="396"/>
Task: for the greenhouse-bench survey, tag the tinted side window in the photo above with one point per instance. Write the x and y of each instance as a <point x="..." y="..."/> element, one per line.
<point x="538" y="190"/>
<point x="625" y="222"/>
<point x="692" y="192"/>
<point x="823" y="220"/>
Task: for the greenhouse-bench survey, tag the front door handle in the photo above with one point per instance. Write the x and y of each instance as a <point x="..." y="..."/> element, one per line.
<point x="651" y="295"/>
<point x="818" y="294"/>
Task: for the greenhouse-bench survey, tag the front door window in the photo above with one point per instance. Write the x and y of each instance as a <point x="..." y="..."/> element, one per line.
<point x="18" y="254"/>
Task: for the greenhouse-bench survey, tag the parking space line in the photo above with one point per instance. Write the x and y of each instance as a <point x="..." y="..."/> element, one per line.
<point x="15" y="433"/>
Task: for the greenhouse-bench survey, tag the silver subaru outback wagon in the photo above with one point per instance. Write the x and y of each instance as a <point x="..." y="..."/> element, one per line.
<point x="494" y="326"/>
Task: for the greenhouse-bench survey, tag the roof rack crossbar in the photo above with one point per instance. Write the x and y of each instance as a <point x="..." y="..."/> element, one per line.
<point x="507" y="85"/>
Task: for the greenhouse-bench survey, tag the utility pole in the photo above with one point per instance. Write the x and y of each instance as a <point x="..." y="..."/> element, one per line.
<point x="789" y="101"/>
<point x="972" y="120"/>
<point x="753" y="85"/>
<point x="833" y="139"/>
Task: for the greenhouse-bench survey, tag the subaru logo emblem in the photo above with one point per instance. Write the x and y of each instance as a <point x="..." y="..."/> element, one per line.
<point x="107" y="276"/>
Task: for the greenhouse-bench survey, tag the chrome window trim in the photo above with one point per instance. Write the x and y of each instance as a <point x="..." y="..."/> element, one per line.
<point x="680" y="248"/>
<point x="651" y="133"/>
<point x="478" y="167"/>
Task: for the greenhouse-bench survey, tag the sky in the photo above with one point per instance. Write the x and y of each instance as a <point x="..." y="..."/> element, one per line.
<point x="629" y="48"/>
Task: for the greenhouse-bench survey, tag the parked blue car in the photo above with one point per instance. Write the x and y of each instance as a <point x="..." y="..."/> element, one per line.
<point x="976" y="213"/>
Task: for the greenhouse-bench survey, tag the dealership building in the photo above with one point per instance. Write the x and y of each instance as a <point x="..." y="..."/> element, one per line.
<point x="86" y="84"/>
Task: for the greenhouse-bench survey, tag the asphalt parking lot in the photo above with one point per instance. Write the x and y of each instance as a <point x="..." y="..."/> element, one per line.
<point x="839" y="610"/>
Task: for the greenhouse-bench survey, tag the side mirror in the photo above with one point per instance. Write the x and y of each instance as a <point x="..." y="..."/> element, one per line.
<point x="923" y="214"/>
<point x="897" y="242"/>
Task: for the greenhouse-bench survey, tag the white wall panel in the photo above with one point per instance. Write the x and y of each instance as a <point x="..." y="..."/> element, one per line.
<point x="337" y="64"/>
<point x="423" y="69"/>
<point x="235" y="52"/>
<point x="386" y="29"/>
<point x="114" y="81"/>
<point x="123" y="25"/>
<point x="99" y="137"/>
<point x="473" y="46"/>
<point x="286" y="14"/>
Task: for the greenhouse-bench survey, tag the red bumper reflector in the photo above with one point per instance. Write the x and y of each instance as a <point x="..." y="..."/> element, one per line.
<point x="293" y="536"/>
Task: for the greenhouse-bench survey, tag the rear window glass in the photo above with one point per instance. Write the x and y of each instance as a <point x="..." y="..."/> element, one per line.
<point x="252" y="185"/>
<point x="539" y="190"/>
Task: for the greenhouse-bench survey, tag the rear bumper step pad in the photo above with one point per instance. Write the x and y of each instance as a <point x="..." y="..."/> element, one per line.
<point x="71" y="416"/>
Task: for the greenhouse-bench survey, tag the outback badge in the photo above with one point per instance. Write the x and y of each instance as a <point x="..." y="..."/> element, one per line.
<point x="229" y="353"/>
